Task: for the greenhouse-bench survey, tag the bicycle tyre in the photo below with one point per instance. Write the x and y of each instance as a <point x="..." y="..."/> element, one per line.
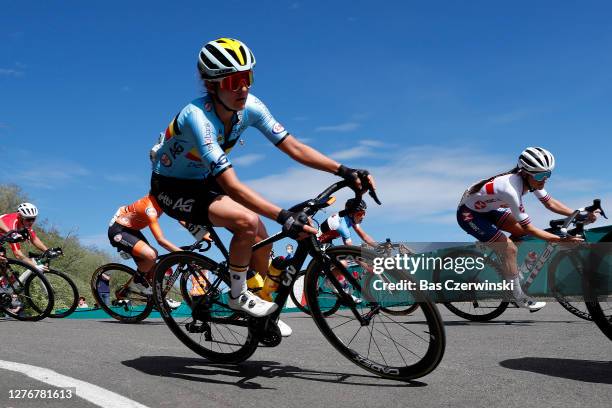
<point x="369" y="282"/>
<point x="304" y="308"/>
<point x="434" y="334"/>
<point x="131" y="318"/>
<point x="186" y="259"/>
<point x="554" y="287"/>
<point x="28" y="287"/>
<point x="602" y="316"/>
<point x="467" y="310"/>
<point x="75" y="294"/>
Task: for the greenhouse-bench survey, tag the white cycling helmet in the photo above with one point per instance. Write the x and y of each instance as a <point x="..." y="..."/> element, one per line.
<point x="536" y="160"/>
<point x="27" y="210"/>
<point x="223" y="57"/>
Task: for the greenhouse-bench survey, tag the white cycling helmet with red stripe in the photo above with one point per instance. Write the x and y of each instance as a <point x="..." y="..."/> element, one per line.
<point x="536" y="160"/>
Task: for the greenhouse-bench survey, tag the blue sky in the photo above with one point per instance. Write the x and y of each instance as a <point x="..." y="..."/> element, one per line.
<point x="429" y="96"/>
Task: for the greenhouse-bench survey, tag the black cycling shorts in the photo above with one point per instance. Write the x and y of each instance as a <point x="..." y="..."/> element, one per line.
<point x="185" y="199"/>
<point x="124" y="238"/>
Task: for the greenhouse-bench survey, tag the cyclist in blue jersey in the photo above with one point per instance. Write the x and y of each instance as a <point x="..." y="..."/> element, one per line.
<point x="193" y="179"/>
<point x="339" y="225"/>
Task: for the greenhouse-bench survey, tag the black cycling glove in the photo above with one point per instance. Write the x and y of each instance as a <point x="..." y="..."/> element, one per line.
<point x="292" y="222"/>
<point x="352" y="175"/>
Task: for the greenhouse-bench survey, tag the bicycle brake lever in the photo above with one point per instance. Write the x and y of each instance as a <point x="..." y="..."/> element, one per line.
<point x="372" y="194"/>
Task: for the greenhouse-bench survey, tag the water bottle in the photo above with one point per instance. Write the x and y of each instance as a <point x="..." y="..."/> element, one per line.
<point x="254" y="281"/>
<point x="198" y="231"/>
<point x="273" y="278"/>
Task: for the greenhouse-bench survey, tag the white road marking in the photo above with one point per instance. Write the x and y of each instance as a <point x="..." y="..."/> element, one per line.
<point x="92" y="393"/>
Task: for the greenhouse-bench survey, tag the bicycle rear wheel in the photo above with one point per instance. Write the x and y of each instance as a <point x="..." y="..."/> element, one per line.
<point x="400" y="347"/>
<point x="120" y="303"/>
<point x="25" y="293"/>
<point x="204" y="323"/>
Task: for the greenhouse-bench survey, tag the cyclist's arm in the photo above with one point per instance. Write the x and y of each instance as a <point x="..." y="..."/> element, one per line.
<point x="306" y="155"/>
<point x="538" y="233"/>
<point x="3" y="227"/>
<point x="557" y="207"/>
<point x="363" y="235"/>
<point x="38" y="243"/>
<point x="159" y="237"/>
<point x="19" y="255"/>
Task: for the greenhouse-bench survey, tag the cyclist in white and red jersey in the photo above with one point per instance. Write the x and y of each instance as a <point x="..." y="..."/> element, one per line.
<point x="193" y="179"/>
<point x="24" y="218"/>
<point x="495" y="204"/>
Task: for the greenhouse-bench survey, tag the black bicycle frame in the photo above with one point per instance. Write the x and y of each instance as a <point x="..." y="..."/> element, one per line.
<point x="305" y="247"/>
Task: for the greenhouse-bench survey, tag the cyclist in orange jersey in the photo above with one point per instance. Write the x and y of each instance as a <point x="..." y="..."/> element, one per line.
<point x="125" y="235"/>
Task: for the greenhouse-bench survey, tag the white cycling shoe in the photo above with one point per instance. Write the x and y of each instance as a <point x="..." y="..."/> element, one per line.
<point x="172" y="304"/>
<point x="284" y="328"/>
<point x="251" y="304"/>
<point x="140" y="288"/>
<point x="529" y="303"/>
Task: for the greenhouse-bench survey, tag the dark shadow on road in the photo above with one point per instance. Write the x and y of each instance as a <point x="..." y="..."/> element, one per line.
<point x="513" y="322"/>
<point x="599" y="372"/>
<point x="243" y="375"/>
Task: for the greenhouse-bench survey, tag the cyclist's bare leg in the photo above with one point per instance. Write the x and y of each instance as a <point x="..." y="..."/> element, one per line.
<point x="507" y="251"/>
<point x="261" y="258"/>
<point x="145" y="256"/>
<point x="512" y="226"/>
<point x="244" y="224"/>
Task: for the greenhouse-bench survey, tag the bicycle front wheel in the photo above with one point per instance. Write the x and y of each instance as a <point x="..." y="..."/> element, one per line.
<point x="399" y="347"/>
<point x="565" y="275"/>
<point x="110" y="286"/>
<point x="25" y="293"/>
<point x="597" y="283"/>
<point x="204" y="322"/>
<point x="477" y="307"/>
<point x="65" y="292"/>
<point x="328" y="301"/>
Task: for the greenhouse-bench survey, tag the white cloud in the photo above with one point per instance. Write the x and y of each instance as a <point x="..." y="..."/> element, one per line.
<point x="247" y="159"/>
<point x="33" y="170"/>
<point x="373" y="143"/>
<point x="421" y="184"/>
<point x="343" y="127"/>
<point x="11" y="72"/>
<point x="352" y="153"/>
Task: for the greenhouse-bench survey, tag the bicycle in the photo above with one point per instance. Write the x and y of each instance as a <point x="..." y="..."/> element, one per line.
<point x="485" y="310"/>
<point x="65" y="290"/>
<point x="363" y="333"/>
<point x="25" y="293"/>
<point x="110" y="289"/>
<point x="325" y="289"/>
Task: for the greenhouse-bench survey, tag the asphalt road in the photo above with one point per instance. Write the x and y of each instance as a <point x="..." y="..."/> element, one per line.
<point x="545" y="359"/>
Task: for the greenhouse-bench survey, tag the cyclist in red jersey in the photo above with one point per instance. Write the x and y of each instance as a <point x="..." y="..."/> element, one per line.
<point x="25" y="217"/>
<point x="124" y="233"/>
